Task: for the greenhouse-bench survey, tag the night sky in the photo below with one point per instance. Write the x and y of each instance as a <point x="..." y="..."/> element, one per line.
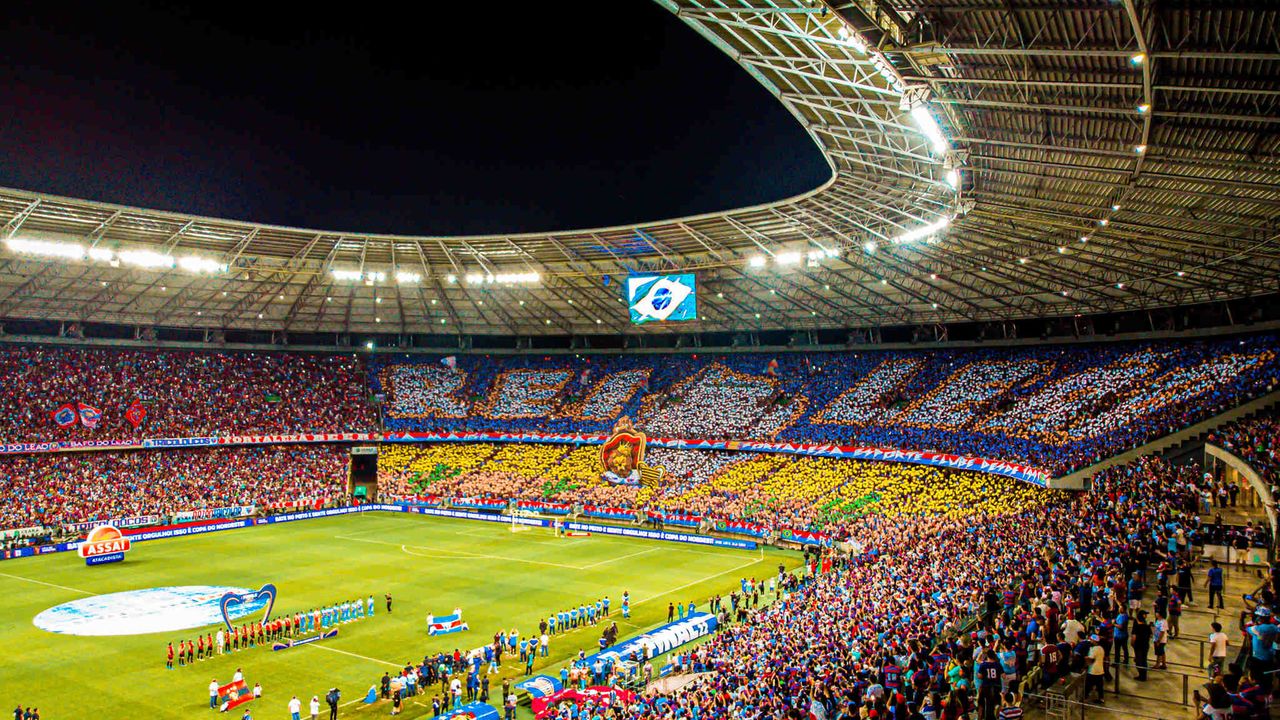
<point x="350" y="118"/>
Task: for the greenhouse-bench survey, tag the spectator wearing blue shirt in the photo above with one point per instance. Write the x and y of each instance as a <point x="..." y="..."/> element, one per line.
<point x="1214" y="582"/>
<point x="1121" y="634"/>
<point x="1263" y="636"/>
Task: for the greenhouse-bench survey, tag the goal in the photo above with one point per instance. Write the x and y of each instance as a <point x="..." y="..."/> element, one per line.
<point x="520" y="518"/>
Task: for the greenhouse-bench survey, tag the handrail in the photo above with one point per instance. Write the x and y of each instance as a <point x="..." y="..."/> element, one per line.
<point x="1242" y="466"/>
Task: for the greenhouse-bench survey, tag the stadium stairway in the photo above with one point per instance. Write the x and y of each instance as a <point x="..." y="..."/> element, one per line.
<point x="1179" y="441"/>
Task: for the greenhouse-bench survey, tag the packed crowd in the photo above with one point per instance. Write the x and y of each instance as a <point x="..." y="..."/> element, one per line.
<point x="957" y="617"/>
<point x="178" y="393"/>
<point x="1257" y="442"/>
<point x="1056" y="407"/>
<point x="57" y="489"/>
<point x="774" y="490"/>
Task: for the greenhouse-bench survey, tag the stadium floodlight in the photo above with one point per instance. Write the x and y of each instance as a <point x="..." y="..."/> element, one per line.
<point x="953" y="178"/>
<point x="146" y="259"/>
<point x="407" y="278"/>
<point x="451" y="278"/>
<point x="929" y="126"/>
<point x="923" y="231"/>
<point x="853" y="38"/>
<point x="515" y="278"/>
<point x="196" y="264"/>
<point x="474" y="278"/>
<point x="373" y="277"/>
<point x="46" y="248"/>
<point x="369" y="345"/>
<point x="101" y="254"/>
<point x="787" y="258"/>
<point x="346" y="274"/>
<point x="757" y="261"/>
<point x="869" y="246"/>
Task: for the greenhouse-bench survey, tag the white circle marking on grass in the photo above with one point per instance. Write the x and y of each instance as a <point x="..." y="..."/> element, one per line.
<point x="140" y="612"/>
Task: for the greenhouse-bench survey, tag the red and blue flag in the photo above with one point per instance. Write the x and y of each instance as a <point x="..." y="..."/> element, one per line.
<point x="64" y="416"/>
<point x="89" y="415"/>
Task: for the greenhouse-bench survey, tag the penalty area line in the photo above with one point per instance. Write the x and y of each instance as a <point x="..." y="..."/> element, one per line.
<point x="47" y="584"/>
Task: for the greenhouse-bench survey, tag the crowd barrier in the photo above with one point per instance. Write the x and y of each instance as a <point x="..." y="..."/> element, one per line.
<point x="201" y="527"/>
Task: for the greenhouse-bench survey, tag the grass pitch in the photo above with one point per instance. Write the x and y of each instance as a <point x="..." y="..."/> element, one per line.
<point x="501" y="579"/>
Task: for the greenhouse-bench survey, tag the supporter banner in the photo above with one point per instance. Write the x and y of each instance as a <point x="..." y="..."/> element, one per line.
<point x="233" y="694"/>
<point x="667" y="518"/>
<point x="1026" y="473"/>
<point x="804" y="536"/>
<point x="546" y="706"/>
<point x="662" y="639"/>
<point x="662" y="535"/>
<point x="129" y="522"/>
<point x="213" y="513"/>
<point x="540" y="686"/>
<point x="471" y="711"/>
<point x="740" y="527"/>
<point x="492" y="504"/>
<point x="446" y="624"/>
<point x="545" y="508"/>
<point x="188" y="442"/>
<point x="423" y="500"/>
<point x="608" y="513"/>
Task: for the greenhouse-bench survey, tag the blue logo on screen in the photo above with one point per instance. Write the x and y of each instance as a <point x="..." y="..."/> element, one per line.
<point x="661" y="299"/>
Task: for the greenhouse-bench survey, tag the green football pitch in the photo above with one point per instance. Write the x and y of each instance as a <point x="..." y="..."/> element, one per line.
<point x="499" y="578"/>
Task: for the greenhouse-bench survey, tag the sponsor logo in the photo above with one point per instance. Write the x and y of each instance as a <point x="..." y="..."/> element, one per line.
<point x="104" y="544"/>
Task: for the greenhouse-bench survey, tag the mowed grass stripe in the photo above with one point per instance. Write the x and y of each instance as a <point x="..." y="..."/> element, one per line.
<point x="124" y="677"/>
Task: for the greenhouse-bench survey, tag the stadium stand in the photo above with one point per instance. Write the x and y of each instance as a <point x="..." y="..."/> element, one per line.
<point x="953" y="617"/>
<point x="54" y="490"/>
<point x="1057" y="407"/>
<point x="184" y="394"/>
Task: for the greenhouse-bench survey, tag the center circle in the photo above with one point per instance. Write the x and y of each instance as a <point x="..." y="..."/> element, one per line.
<point x="141" y="612"/>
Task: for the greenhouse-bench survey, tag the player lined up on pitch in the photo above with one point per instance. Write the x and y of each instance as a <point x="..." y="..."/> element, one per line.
<point x="284" y="629"/>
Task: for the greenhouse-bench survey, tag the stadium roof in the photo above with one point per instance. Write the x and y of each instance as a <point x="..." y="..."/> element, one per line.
<point x="1112" y="155"/>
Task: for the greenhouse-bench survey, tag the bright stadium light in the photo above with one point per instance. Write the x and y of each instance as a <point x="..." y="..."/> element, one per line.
<point x="146" y="259"/>
<point x="853" y="39"/>
<point x="347" y="275"/>
<point x="45" y="248"/>
<point x="787" y="258"/>
<point x="953" y="178"/>
<point x="929" y="126"/>
<point x="757" y="261"/>
<point x="408" y="278"/>
<point x="101" y="254"/>
<point x="923" y="231"/>
<point x="194" y="264"/>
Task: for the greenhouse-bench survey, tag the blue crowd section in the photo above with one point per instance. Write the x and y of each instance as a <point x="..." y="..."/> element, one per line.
<point x="1056" y="406"/>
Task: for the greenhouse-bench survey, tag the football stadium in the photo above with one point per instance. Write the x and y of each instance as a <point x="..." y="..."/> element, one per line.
<point x="986" y="425"/>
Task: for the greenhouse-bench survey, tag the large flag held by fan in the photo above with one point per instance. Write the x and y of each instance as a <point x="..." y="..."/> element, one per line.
<point x="136" y="413"/>
<point x="445" y="624"/>
<point x="89" y="416"/>
<point x="65" y="416"/>
<point x="233" y="694"/>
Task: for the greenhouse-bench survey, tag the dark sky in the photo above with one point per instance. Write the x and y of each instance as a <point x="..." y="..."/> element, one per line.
<point x="354" y="118"/>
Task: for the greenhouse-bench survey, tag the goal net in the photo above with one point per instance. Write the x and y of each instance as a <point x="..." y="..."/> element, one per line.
<point x="524" y="520"/>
